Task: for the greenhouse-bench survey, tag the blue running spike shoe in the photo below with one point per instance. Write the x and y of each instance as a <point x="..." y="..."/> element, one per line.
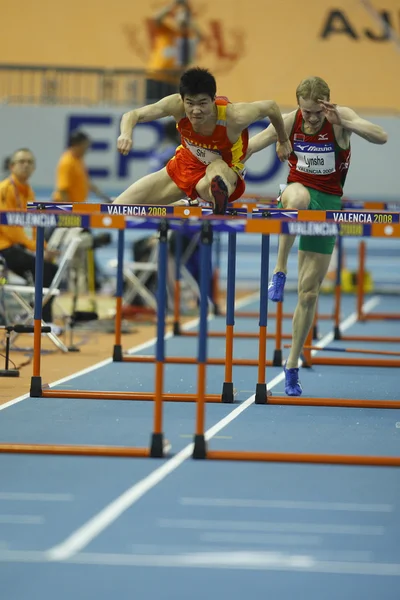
<point x="292" y="383"/>
<point x="220" y="194"/>
<point x="276" y="287"/>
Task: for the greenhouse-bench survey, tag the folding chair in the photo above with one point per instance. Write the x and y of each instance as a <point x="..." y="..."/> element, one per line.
<point x="67" y="242"/>
<point x="137" y="274"/>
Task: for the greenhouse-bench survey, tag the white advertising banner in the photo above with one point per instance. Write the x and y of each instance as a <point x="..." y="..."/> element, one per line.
<point x="45" y="131"/>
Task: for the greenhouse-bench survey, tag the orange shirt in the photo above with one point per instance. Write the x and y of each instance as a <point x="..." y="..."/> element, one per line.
<point x="15" y="195"/>
<point x="165" y="50"/>
<point x="72" y="178"/>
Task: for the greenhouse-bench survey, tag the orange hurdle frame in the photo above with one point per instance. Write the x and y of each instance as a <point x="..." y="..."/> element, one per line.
<point x="228" y="334"/>
<point x="157" y="445"/>
<point x="364" y="317"/>
<point x="155" y="396"/>
<point x="360" y="294"/>
<point x="261" y="396"/>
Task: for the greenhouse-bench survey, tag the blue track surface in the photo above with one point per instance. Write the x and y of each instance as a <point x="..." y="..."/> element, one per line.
<point x="106" y="528"/>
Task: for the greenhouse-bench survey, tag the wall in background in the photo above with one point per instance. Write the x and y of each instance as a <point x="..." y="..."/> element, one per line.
<point x="257" y="49"/>
<point x="373" y="172"/>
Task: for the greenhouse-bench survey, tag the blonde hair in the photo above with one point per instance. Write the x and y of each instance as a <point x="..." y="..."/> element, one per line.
<point x="313" y="88"/>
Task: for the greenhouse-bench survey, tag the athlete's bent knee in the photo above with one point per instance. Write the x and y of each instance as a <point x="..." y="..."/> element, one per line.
<point x="296" y="196"/>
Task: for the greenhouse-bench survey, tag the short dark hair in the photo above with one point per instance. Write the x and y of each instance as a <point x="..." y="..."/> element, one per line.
<point x="7" y="163"/>
<point x="197" y="81"/>
<point x="76" y="138"/>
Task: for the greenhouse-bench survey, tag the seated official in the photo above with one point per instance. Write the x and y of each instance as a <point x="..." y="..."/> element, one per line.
<point x="16" y="247"/>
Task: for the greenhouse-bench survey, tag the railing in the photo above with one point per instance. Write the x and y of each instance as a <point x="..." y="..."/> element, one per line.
<point x="89" y="86"/>
<point x="54" y="85"/>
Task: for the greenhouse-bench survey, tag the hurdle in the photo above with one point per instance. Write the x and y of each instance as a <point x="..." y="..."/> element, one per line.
<point x="263" y="203"/>
<point x="154" y="214"/>
<point x="119" y="356"/>
<point x="229" y="334"/>
<point x="206" y="225"/>
<point x="361" y="315"/>
<point x="45" y="220"/>
<point x="360" y="294"/>
<point x="200" y="447"/>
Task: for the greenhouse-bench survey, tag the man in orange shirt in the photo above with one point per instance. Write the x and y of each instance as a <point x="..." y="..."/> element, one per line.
<point x="174" y="37"/>
<point x="16" y="247"/>
<point x="72" y="181"/>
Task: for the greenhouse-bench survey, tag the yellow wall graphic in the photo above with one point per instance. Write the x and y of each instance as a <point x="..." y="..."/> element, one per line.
<point x="257" y="48"/>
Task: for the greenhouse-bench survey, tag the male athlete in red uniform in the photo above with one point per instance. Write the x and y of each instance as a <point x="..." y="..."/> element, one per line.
<point x="214" y="137"/>
<point x="320" y="134"/>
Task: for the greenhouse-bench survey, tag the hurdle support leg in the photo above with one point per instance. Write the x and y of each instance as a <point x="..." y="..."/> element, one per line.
<point x="36" y="379"/>
<point x="206" y="238"/>
<point x="177" y="288"/>
<point x="157" y="441"/>
<point x="337" y="335"/>
<point x="227" y="388"/>
<point x="360" y="282"/>
<point x="216" y="275"/>
<point x="117" y="350"/>
<point x="261" y="395"/>
<point x="277" y="358"/>
<point x="315" y="324"/>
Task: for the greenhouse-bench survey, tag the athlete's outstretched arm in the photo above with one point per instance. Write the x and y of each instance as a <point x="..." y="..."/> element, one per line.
<point x="268" y="136"/>
<point x="351" y="121"/>
<point x="247" y="113"/>
<point x="170" y="106"/>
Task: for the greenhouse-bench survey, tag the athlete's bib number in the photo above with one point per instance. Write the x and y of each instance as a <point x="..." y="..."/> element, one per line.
<point x="204" y="155"/>
<point x="315" y="159"/>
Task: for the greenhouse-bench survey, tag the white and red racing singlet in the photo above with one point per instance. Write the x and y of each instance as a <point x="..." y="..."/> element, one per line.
<point x="317" y="161"/>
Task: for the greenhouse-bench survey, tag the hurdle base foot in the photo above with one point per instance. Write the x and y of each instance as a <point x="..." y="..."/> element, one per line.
<point x="337" y="335"/>
<point x="117" y="353"/>
<point x="177" y="328"/>
<point x="36" y="387"/>
<point x="277" y="359"/>
<point x="157" y="445"/>
<point x="227" y="393"/>
<point x="305" y="364"/>
<point x="9" y="373"/>
<point x="73" y="349"/>
<point x="261" y="393"/>
<point x="217" y="311"/>
<point x="200" y="447"/>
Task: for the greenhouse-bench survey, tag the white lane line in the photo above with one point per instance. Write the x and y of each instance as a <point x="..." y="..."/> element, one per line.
<point x="272" y="527"/>
<point x="286" y="504"/>
<point x="243" y="560"/>
<point x="231" y="537"/>
<point x="35" y="497"/>
<point x="187" y="326"/>
<point x="81" y="537"/>
<point x="21" y="520"/>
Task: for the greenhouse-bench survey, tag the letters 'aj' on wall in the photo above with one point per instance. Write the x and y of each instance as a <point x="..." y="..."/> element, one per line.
<point x="257" y="49"/>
